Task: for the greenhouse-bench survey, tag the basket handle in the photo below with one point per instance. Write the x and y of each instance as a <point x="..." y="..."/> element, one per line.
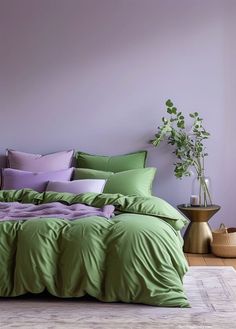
<point x="223" y="228"/>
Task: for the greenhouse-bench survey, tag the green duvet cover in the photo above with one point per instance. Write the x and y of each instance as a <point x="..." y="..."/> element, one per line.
<point x="135" y="257"/>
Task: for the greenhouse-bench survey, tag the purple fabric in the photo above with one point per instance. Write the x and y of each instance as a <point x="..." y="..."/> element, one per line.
<point x="37" y="162"/>
<point x="26" y="211"/>
<point x="14" y="179"/>
<point x="78" y="186"/>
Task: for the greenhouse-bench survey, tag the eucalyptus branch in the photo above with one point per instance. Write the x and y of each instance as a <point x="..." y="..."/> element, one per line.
<point x="188" y="145"/>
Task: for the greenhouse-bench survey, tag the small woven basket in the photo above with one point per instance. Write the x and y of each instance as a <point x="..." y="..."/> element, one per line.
<point x="224" y="242"/>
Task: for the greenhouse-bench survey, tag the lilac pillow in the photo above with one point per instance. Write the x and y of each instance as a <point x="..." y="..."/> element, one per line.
<point x="78" y="186"/>
<point x="37" y="162"/>
<point x="14" y="179"/>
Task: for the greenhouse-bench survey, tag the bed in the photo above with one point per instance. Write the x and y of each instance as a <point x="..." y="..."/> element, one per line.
<point x="91" y="230"/>
<point x="134" y="257"/>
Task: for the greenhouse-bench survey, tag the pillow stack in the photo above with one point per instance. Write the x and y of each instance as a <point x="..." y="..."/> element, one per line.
<point x="34" y="171"/>
<point x="124" y="174"/>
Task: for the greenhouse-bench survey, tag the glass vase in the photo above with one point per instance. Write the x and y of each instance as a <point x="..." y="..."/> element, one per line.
<point x="201" y="191"/>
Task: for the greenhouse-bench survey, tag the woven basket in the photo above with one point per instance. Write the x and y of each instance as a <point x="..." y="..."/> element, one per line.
<point x="224" y="242"/>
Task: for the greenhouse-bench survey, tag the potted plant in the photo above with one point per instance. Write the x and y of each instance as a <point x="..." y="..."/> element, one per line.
<point x="188" y="147"/>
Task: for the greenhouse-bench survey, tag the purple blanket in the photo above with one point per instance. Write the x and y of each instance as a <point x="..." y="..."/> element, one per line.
<point x="23" y="211"/>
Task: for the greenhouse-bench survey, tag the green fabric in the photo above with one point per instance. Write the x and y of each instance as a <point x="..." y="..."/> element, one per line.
<point x="131" y="182"/>
<point x="84" y="173"/>
<point x="111" y="163"/>
<point x="152" y="206"/>
<point x="135" y="257"/>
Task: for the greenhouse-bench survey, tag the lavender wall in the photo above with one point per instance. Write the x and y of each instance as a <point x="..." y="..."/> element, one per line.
<point x="94" y="75"/>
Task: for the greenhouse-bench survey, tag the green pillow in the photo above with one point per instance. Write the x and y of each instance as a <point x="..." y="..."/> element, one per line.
<point x="84" y="173"/>
<point x="131" y="182"/>
<point x="111" y="163"/>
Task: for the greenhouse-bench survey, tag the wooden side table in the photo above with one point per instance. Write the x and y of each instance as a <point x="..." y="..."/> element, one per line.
<point x="198" y="236"/>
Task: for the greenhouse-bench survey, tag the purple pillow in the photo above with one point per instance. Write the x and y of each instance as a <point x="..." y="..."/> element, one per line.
<point x="78" y="186"/>
<point x="37" y="162"/>
<point x="14" y="179"/>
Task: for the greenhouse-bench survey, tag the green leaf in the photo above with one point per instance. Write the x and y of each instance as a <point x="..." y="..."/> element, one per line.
<point x="174" y="110"/>
<point x="180" y="124"/>
<point x="169" y="103"/>
<point x="195" y="114"/>
<point x="169" y="110"/>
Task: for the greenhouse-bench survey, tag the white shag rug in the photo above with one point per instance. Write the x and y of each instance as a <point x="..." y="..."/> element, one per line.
<point x="211" y="292"/>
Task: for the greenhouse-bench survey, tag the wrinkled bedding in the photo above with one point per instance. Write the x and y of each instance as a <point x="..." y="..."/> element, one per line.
<point x="134" y="257"/>
<point x="26" y="211"/>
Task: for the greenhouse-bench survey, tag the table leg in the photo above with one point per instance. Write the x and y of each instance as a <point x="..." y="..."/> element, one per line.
<point x="197" y="238"/>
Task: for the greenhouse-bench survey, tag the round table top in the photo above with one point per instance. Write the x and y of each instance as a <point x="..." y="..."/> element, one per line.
<point x="198" y="214"/>
<point x="197" y="208"/>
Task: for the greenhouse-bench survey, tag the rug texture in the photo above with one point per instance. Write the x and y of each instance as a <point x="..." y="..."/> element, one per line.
<point x="211" y="292"/>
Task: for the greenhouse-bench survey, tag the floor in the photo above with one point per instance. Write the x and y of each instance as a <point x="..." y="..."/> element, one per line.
<point x="209" y="260"/>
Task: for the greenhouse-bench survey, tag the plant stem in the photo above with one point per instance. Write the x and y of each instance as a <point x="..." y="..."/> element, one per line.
<point x="203" y="188"/>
